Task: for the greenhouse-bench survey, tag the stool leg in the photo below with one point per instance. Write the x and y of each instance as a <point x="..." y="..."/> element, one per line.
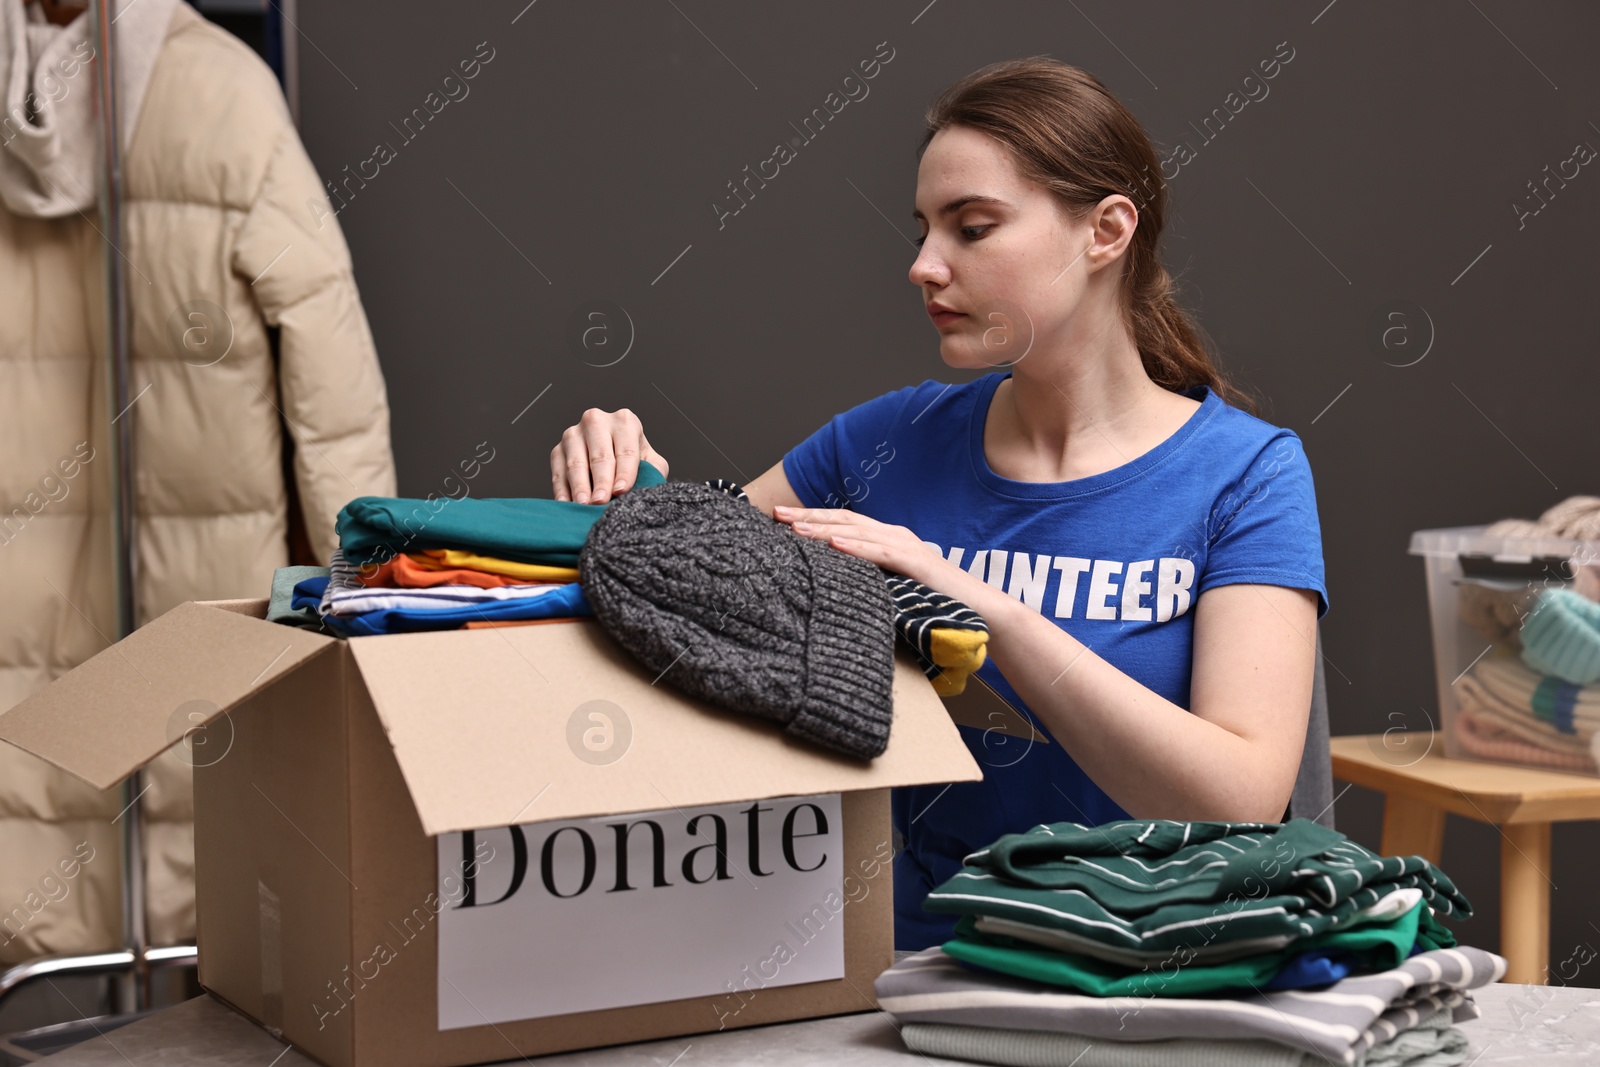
<point x="1412" y="828"/>
<point x="1525" y="902"/>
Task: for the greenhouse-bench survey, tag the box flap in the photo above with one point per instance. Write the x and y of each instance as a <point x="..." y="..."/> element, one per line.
<point x="128" y="703"/>
<point x="531" y="723"/>
<point x="978" y="705"/>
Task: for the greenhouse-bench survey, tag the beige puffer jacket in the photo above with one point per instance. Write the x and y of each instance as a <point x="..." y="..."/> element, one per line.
<point x="222" y="206"/>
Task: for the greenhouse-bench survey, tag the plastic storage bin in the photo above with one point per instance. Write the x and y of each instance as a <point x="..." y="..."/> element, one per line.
<point x="1493" y="706"/>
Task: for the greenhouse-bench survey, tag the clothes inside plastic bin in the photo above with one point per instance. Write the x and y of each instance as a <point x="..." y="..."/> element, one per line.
<point x="1493" y="589"/>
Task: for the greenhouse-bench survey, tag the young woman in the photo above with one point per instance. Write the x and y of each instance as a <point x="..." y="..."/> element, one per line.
<point x="1146" y="554"/>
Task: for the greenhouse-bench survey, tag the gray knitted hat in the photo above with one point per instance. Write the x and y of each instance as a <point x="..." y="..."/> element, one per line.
<point x="742" y="612"/>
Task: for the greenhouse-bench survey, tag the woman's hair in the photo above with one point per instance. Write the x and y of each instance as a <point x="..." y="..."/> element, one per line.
<point x="1069" y="134"/>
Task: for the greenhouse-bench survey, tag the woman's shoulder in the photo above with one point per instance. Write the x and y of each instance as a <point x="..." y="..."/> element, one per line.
<point x="1238" y="428"/>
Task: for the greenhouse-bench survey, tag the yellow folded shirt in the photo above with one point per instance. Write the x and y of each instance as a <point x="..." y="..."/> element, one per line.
<point x="450" y="558"/>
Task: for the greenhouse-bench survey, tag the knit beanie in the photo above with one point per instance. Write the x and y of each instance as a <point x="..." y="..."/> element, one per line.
<point x="737" y="609"/>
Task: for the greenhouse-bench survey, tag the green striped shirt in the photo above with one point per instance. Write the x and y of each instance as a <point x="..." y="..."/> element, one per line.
<point x="1167" y="885"/>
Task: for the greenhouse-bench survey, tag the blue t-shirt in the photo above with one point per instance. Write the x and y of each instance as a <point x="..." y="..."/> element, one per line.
<point x="1117" y="559"/>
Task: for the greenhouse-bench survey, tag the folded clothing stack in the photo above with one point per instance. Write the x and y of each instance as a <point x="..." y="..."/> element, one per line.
<point x="1401" y="1016"/>
<point x="1506" y="711"/>
<point x="1185" y="923"/>
<point x="405" y="565"/>
<point x="366" y="601"/>
<point x="1535" y="698"/>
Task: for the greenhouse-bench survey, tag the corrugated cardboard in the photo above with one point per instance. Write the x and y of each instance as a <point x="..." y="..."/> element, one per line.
<point x="313" y="833"/>
<point x="112" y="714"/>
<point x="484" y="765"/>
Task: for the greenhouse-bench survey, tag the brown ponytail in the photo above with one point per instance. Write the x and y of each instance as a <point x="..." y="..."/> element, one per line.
<point x="1070" y="135"/>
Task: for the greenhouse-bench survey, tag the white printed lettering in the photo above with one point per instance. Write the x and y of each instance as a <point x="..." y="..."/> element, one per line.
<point x="1071" y="568"/>
<point x="1174" y="577"/>
<point x="1028" y="579"/>
<point x="997" y="568"/>
<point x="1135" y="586"/>
<point x="1102" y="589"/>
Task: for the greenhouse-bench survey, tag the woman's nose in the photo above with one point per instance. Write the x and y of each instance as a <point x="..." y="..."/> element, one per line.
<point x="928" y="268"/>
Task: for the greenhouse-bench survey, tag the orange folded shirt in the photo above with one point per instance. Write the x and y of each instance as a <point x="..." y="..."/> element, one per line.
<point x="406" y="572"/>
<point x="442" y="559"/>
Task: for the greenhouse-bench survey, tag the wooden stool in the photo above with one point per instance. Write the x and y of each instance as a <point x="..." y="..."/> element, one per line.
<point x="1420" y="785"/>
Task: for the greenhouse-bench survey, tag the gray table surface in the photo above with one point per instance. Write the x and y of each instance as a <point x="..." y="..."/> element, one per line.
<point x="1548" y="1026"/>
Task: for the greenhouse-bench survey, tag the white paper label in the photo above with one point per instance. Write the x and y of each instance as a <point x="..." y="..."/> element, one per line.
<point x="558" y="917"/>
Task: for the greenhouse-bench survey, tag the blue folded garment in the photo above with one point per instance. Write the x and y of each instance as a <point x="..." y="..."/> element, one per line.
<point x="1316" y="967"/>
<point x="561" y="602"/>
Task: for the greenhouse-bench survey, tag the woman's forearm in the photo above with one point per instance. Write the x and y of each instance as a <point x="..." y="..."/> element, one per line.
<point x="1185" y="767"/>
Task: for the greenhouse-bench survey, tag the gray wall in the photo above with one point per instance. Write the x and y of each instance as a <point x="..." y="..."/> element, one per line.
<point x="1383" y="165"/>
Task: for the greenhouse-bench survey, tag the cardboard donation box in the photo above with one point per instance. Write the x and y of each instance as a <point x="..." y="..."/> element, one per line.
<point x="475" y="845"/>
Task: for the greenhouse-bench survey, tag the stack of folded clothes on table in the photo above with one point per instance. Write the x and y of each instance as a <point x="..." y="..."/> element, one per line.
<point x="1166" y="943"/>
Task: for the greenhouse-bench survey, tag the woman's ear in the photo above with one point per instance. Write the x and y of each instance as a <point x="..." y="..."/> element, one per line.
<point x="1112" y="223"/>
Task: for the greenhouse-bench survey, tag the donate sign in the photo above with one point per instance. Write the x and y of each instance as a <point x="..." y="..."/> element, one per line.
<point x="613" y="911"/>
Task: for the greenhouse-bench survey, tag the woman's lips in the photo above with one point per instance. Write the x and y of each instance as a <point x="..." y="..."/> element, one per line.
<point x="944" y="317"/>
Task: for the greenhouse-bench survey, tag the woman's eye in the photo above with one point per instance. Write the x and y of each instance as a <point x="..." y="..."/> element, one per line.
<point x="970" y="232"/>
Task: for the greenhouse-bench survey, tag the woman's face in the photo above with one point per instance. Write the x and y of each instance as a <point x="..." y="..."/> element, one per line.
<point x="1000" y="253"/>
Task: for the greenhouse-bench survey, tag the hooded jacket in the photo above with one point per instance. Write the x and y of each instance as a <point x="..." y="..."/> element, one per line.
<point x="228" y="236"/>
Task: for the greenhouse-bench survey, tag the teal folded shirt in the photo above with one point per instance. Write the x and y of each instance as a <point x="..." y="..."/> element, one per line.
<point x="373" y="529"/>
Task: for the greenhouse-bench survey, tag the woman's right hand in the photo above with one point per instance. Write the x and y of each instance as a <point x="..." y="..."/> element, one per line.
<point x="599" y="457"/>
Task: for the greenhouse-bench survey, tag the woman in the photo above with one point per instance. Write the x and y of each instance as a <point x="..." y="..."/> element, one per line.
<point x="1146" y="554"/>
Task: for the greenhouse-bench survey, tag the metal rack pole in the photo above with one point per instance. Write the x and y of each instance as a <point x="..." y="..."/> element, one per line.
<point x="135" y="984"/>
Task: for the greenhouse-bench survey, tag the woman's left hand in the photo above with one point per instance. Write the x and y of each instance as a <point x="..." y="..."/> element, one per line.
<point x="894" y="548"/>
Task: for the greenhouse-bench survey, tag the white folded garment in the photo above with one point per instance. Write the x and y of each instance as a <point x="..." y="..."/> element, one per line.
<point x="380" y="598"/>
